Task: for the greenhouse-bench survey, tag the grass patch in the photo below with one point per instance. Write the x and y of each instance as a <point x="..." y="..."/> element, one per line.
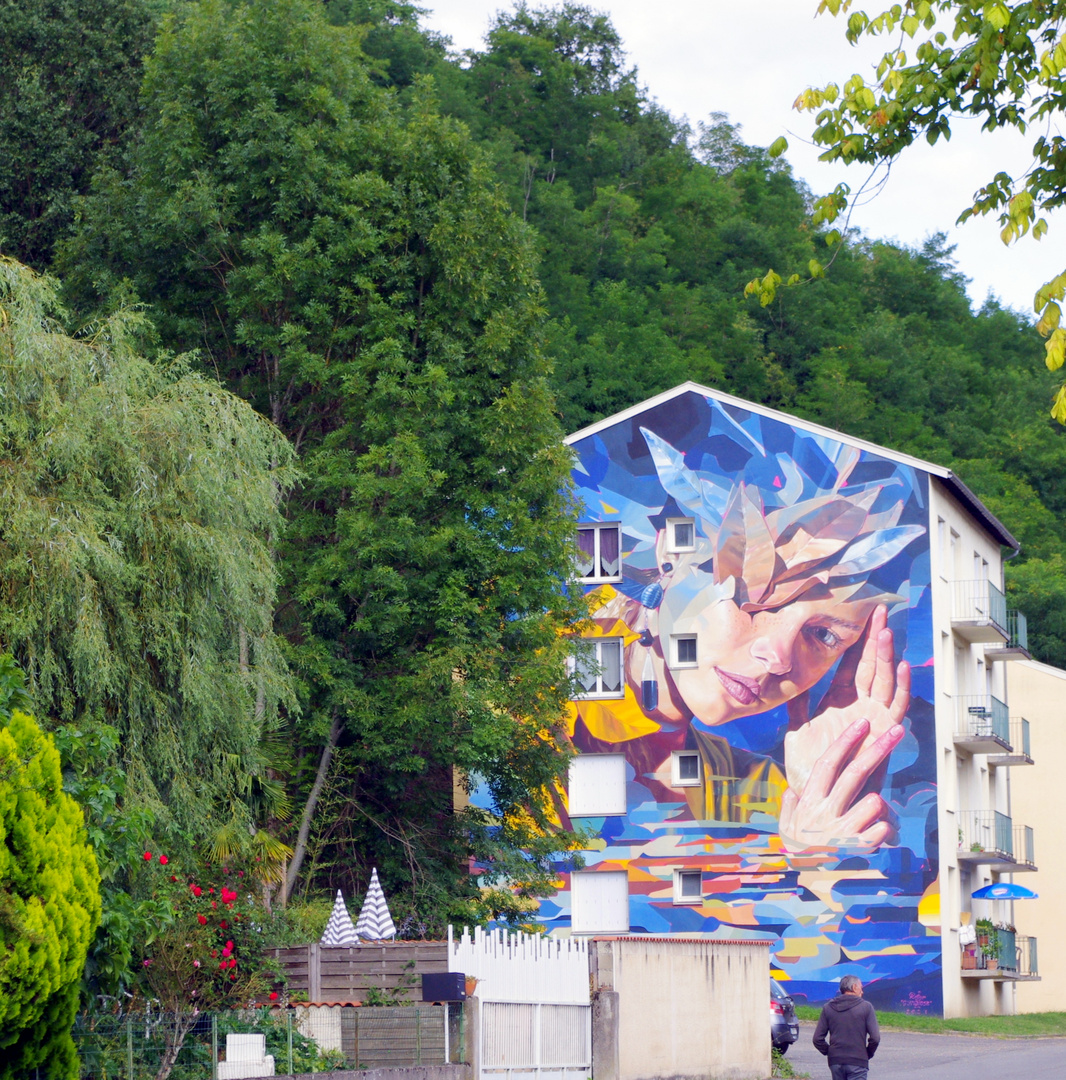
<point x="1023" y="1026"/>
<point x="782" y="1067"/>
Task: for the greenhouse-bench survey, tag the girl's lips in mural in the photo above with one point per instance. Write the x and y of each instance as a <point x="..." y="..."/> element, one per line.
<point x="740" y="687"/>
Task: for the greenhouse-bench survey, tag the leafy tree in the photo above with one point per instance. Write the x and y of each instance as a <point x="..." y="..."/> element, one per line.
<point x="69" y="77"/>
<point x="1001" y="63"/>
<point x="135" y="557"/>
<point x="351" y="269"/>
<point x="49" y="897"/>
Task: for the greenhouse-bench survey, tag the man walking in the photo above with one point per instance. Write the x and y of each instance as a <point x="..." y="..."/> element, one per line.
<point x="851" y="1025"/>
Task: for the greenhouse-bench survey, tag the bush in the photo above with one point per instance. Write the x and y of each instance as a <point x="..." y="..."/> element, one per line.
<point x="49" y="903"/>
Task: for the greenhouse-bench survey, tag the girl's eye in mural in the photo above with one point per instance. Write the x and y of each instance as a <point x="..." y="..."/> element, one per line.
<point x="825" y="637"/>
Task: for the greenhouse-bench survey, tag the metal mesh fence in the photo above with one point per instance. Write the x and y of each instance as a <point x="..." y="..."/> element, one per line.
<point x="153" y="1045"/>
<point x="157" y="1046"/>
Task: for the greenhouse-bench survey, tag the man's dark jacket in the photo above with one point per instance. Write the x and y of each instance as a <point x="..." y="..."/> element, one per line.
<point x="851" y="1024"/>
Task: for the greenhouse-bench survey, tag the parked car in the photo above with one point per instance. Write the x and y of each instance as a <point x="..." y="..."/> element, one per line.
<point x="784" y="1027"/>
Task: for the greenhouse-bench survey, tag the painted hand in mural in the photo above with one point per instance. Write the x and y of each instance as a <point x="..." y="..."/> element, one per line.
<point x="825" y="815"/>
<point x="868" y="685"/>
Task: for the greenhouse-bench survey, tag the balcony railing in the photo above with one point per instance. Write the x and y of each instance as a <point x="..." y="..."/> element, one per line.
<point x="1019" y="752"/>
<point x="1017" y="631"/>
<point x="1022" y="846"/>
<point x="979" y="611"/>
<point x="982" y="724"/>
<point x="1017" y="958"/>
<point x="989" y="837"/>
<point x="1016" y="647"/>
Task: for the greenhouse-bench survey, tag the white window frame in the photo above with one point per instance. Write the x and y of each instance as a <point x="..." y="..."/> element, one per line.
<point x="671" y="535"/>
<point x="679" y="877"/>
<point x="595" y="645"/>
<point x="599" y="527"/>
<point x="676" y="779"/>
<point x="580" y="803"/>
<point x="675" y="651"/>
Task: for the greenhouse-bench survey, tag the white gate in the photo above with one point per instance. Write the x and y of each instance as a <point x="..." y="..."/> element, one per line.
<point x="536" y="1021"/>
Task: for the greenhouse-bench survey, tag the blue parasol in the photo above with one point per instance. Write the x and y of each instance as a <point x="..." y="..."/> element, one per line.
<point x="1004" y="890"/>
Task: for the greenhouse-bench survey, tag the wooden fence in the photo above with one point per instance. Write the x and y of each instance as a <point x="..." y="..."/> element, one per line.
<point x="393" y="968"/>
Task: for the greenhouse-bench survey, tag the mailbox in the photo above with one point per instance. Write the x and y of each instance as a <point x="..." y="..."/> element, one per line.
<point x="444" y="986"/>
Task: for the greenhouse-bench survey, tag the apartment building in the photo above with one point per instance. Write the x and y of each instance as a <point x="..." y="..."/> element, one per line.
<point x="793" y="720"/>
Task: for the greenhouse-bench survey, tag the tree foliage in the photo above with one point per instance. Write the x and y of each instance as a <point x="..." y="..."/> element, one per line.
<point x="1001" y="63"/>
<point x="349" y="267"/>
<point x="135" y="555"/>
<point x="69" y="78"/>
<point x="49" y="897"/>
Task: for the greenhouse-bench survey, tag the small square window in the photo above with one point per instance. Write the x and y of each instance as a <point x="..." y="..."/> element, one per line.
<point x="685" y="768"/>
<point x="598" y="666"/>
<point x="684" y="650"/>
<point x="599" y="553"/>
<point x="688" y="886"/>
<point x="680" y="534"/>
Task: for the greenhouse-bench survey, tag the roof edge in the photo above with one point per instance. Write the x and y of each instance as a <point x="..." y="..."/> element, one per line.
<point x="994" y="526"/>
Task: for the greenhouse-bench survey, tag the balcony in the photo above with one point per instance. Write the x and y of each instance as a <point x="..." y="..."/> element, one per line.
<point x="1017" y="644"/>
<point x="1017" y="961"/>
<point x="991" y="838"/>
<point x="982" y="724"/>
<point x="979" y="611"/>
<point x="1018" y="754"/>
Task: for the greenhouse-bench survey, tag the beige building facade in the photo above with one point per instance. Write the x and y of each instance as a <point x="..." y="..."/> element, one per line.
<point x="1038" y="693"/>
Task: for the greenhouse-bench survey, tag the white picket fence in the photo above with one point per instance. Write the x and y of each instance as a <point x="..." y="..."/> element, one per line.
<point x="534" y="1000"/>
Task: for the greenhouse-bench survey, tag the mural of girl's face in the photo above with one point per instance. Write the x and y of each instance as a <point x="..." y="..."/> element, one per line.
<point x="748" y="664"/>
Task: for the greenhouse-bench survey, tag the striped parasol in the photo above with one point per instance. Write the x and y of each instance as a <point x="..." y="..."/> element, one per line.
<point x="375" y="922"/>
<point x="340" y="933"/>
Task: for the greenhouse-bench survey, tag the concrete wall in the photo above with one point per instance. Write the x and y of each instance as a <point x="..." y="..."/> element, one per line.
<point x="1038" y="797"/>
<point x="679" y="1008"/>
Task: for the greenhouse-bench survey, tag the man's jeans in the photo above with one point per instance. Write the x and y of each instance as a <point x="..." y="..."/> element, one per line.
<point x="849" y="1072"/>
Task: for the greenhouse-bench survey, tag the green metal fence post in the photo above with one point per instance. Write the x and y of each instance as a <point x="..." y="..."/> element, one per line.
<point x="288" y="1018"/>
<point x="129" y="1048"/>
<point x="214" y="1046"/>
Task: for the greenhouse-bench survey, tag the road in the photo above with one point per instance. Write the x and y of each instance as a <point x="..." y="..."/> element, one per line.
<point x="904" y="1055"/>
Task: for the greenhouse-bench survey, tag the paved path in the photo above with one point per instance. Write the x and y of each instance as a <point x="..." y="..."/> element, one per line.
<point x="904" y="1055"/>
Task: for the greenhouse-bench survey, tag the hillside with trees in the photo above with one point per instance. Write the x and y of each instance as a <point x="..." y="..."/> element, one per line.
<point x="420" y="269"/>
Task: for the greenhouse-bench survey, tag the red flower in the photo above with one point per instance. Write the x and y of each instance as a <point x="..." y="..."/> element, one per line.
<point x="233" y="976"/>
<point x="214" y="952"/>
<point x="227" y="950"/>
<point x="240" y="873"/>
<point x="222" y="966"/>
<point x="147" y="856"/>
<point x="196" y="890"/>
<point x="214" y="903"/>
<point x="201" y="919"/>
<point x="173" y="878"/>
<point x="233" y="962"/>
<point x="273" y="995"/>
<point x="223" y="925"/>
<point x="163" y="860"/>
<point x="212" y="891"/>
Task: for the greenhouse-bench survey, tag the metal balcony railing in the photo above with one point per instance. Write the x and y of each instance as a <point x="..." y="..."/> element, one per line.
<point x="980" y="601"/>
<point x="1017" y="956"/>
<point x="982" y="715"/>
<point x="986" y="833"/>
<point x="1022" y="845"/>
<point x="1019" y="735"/>
<point x="1017" y="631"/>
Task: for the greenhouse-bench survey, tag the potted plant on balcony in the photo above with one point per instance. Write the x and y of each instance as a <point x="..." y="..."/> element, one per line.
<point x="990" y="949"/>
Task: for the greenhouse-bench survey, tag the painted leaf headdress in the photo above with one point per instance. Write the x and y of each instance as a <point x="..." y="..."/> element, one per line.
<point x="832" y="539"/>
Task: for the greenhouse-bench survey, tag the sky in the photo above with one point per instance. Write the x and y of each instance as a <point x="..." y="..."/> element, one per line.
<point x="750" y="59"/>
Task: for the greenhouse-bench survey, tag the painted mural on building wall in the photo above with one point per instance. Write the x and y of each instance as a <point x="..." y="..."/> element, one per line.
<point x="761" y="655"/>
